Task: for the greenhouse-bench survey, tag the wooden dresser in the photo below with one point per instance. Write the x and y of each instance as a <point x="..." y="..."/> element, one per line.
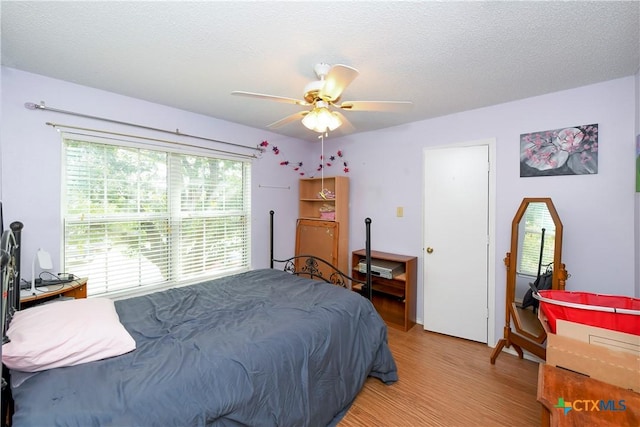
<point x="572" y="399"/>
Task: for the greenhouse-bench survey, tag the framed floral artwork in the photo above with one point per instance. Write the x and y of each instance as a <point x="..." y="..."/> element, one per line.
<point x="564" y="151"/>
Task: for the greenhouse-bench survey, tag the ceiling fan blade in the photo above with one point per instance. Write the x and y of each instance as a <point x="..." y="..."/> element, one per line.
<point x="291" y="118"/>
<point x="338" y="78"/>
<point x="346" y="125"/>
<point x="270" y="97"/>
<point x="397" y="106"/>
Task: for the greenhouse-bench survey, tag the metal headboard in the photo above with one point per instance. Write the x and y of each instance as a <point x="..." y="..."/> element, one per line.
<point x="8" y="277"/>
<point x="310" y="265"/>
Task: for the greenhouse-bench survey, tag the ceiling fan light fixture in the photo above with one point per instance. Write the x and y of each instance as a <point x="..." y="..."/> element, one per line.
<point x="321" y="120"/>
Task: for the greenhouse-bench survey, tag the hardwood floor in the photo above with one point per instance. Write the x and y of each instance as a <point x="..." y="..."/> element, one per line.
<point x="446" y="381"/>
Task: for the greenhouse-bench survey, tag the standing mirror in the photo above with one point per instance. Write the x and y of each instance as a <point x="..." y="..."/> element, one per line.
<point x="536" y="247"/>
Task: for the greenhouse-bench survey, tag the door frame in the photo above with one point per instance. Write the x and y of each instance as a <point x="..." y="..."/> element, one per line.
<point x="491" y="254"/>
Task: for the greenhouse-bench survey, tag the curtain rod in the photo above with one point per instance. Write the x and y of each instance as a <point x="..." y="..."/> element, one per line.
<point x="59" y="126"/>
<point x="42" y="106"/>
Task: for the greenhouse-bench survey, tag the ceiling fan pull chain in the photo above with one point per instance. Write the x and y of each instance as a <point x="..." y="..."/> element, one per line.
<point x="322" y="189"/>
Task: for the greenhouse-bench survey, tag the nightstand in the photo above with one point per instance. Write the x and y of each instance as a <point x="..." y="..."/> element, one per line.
<point x="74" y="289"/>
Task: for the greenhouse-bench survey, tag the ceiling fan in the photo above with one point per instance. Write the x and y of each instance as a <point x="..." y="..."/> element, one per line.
<point x="324" y="96"/>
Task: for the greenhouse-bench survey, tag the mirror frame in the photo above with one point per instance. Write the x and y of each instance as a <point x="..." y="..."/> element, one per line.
<point x="557" y="280"/>
<point x="529" y="333"/>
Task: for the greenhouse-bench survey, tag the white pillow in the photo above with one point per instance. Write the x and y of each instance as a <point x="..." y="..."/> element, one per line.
<point x="65" y="333"/>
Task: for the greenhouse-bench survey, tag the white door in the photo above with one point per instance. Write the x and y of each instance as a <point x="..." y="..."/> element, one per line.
<point x="456" y="227"/>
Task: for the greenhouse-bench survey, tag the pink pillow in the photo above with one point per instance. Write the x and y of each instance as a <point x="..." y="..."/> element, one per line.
<point x="65" y="333"/>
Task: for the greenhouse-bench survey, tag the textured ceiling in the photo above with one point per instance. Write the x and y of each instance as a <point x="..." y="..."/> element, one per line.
<point x="445" y="57"/>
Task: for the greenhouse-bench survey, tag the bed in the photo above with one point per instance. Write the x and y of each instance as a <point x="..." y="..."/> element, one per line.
<point x="265" y="347"/>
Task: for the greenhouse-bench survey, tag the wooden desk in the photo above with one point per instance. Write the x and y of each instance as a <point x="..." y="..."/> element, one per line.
<point x="594" y="403"/>
<point x="74" y="289"/>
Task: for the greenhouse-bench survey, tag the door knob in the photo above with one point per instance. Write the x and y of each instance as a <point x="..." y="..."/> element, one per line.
<point x="429" y="250"/>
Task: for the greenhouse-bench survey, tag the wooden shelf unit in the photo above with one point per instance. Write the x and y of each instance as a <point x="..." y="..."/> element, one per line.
<point x="394" y="299"/>
<point x="309" y="205"/>
<point x="310" y="200"/>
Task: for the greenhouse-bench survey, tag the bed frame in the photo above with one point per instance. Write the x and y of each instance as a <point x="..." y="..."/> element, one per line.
<point x="300" y="265"/>
<point x="308" y="265"/>
<point x="10" y="273"/>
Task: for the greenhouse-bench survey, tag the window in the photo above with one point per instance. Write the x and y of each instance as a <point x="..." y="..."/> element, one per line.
<point x="536" y="218"/>
<point x="136" y="217"/>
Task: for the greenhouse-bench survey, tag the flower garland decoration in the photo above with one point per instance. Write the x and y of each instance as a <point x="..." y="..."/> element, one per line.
<point x="298" y="167"/>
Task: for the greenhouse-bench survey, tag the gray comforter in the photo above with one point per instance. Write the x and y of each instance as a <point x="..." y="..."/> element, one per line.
<point x="262" y="348"/>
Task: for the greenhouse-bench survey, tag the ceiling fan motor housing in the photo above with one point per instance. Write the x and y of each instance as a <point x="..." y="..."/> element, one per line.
<point x="311" y="91"/>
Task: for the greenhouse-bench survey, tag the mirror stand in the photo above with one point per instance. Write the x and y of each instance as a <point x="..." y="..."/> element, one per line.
<point x="523" y="330"/>
<point x="528" y="332"/>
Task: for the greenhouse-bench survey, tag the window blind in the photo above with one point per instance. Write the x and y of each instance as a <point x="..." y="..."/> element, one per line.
<point x="136" y="217"/>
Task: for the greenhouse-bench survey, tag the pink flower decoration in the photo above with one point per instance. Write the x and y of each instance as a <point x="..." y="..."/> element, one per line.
<point x="298" y="165"/>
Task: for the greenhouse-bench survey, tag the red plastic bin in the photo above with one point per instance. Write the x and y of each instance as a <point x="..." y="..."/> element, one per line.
<point x="618" y="313"/>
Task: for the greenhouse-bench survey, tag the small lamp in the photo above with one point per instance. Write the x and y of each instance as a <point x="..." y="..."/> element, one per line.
<point x="44" y="262"/>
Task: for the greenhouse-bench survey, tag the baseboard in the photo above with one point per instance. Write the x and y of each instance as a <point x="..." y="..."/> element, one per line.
<point x="525" y="354"/>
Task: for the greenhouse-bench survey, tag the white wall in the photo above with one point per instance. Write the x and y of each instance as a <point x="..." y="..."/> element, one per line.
<point x="31" y="157"/>
<point x="385" y="171"/>
<point x="597" y="211"/>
